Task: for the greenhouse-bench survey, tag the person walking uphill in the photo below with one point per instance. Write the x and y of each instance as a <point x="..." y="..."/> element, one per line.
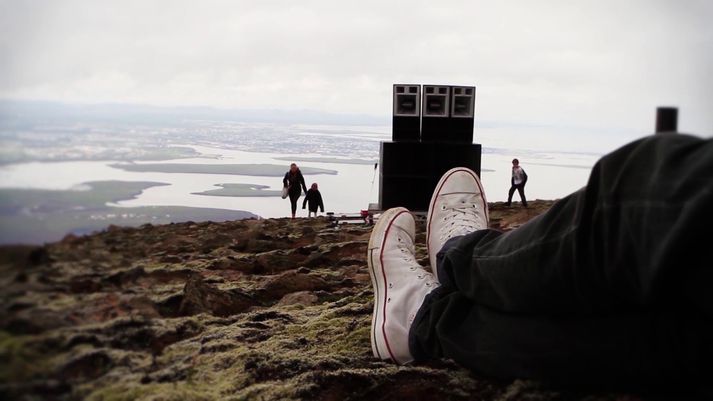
<point x="295" y="182"/>
<point x="314" y="197"/>
<point x="518" y="181"/>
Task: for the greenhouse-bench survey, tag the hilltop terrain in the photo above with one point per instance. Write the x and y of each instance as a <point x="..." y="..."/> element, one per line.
<point x="252" y="309"/>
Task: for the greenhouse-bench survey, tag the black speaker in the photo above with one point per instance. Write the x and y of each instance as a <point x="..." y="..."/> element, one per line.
<point x="406" y="123"/>
<point x="404" y="158"/>
<point x="409" y="172"/>
<point x="435" y="112"/>
<point x="462" y="115"/>
<point x="410" y="191"/>
<point x="446" y="156"/>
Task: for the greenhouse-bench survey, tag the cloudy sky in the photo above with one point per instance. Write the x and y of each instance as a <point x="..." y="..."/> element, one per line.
<point x="595" y="64"/>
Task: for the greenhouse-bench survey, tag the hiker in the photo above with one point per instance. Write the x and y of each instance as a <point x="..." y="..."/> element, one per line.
<point x="314" y="197"/>
<point x="517" y="181"/>
<point x="293" y="181"/>
<point x="611" y="286"/>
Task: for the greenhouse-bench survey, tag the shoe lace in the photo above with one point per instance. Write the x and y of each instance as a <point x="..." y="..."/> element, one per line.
<point x="430" y="282"/>
<point x="462" y="218"/>
<point x="408" y="254"/>
<point x="407" y="248"/>
<point x="429" y="277"/>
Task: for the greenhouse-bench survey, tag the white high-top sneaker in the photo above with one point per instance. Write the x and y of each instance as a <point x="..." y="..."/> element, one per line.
<point x="457" y="207"/>
<point x="400" y="284"/>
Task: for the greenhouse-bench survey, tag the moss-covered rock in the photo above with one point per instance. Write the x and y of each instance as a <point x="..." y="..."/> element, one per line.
<point x="271" y="309"/>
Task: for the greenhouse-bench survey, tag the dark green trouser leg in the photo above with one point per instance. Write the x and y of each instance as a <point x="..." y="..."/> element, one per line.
<point x="626" y="260"/>
<point x="665" y="346"/>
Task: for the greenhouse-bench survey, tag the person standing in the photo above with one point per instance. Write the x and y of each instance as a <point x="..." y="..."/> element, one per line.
<point x="295" y="183"/>
<point x="518" y="181"/>
<point x="314" y="197"/>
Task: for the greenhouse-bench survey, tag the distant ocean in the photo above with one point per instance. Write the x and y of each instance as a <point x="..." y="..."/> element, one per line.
<point x="355" y="184"/>
<point x="185" y="164"/>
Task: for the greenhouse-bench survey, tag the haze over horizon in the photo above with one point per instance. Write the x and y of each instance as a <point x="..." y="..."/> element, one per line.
<point x="593" y="65"/>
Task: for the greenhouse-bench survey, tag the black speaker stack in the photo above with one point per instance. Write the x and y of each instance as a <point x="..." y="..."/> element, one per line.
<point x="406" y="122"/>
<point x="432" y="132"/>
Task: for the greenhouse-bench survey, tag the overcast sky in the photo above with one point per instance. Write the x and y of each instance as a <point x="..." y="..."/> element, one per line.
<point x="561" y="63"/>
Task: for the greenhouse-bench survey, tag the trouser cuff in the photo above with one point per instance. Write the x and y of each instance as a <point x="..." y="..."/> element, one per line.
<point x="422" y="318"/>
<point x="443" y="277"/>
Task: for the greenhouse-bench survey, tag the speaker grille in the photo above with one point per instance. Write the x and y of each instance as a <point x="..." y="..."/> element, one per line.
<point x="463" y="104"/>
<point x="435" y="101"/>
<point x="407" y="100"/>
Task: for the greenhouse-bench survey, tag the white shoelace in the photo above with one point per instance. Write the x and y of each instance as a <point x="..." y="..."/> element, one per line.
<point x="431" y="283"/>
<point x="408" y="251"/>
<point x="463" y="218"/>
<point x="406" y="247"/>
<point x="408" y="254"/>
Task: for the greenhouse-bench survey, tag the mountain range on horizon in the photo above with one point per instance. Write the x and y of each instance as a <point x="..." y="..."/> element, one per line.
<point x="43" y="111"/>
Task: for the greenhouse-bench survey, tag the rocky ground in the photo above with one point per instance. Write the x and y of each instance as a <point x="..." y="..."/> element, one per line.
<point x="254" y="309"/>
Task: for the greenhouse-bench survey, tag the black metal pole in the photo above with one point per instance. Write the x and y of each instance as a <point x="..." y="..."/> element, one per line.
<point x="666" y="119"/>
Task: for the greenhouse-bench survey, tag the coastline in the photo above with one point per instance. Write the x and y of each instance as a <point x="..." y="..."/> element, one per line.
<point x="36" y="216"/>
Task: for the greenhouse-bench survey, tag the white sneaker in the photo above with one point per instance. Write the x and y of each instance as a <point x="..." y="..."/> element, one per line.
<point x="457" y="207"/>
<point x="400" y="284"/>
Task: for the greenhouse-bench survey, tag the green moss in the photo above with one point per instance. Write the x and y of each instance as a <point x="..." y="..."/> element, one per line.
<point x="179" y="391"/>
<point x="270" y="352"/>
<point x="58" y="302"/>
<point x="266" y="391"/>
<point x="20" y="360"/>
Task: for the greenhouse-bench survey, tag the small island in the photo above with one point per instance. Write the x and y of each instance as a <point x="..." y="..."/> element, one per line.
<point x="334" y="160"/>
<point x="240" y="190"/>
<point x="258" y="170"/>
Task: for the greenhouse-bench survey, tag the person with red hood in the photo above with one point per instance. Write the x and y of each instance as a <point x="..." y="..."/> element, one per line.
<point x="294" y="181"/>
<point x="314" y="197"/>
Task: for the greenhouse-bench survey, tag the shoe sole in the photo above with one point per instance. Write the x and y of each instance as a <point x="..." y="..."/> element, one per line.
<point x="379" y="342"/>
<point x="435" y="195"/>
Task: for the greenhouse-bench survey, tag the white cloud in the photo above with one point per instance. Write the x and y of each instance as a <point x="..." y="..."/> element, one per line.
<point x="591" y="63"/>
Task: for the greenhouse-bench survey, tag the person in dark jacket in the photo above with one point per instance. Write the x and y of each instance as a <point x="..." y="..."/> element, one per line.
<point x="294" y="181"/>
<point x="315" y="200"/>
<point x="518" y="181"/>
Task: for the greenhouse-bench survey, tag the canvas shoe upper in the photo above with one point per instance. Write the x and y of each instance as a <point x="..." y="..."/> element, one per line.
<point x="400" y="284"/>
<point x="457" y="207"/>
